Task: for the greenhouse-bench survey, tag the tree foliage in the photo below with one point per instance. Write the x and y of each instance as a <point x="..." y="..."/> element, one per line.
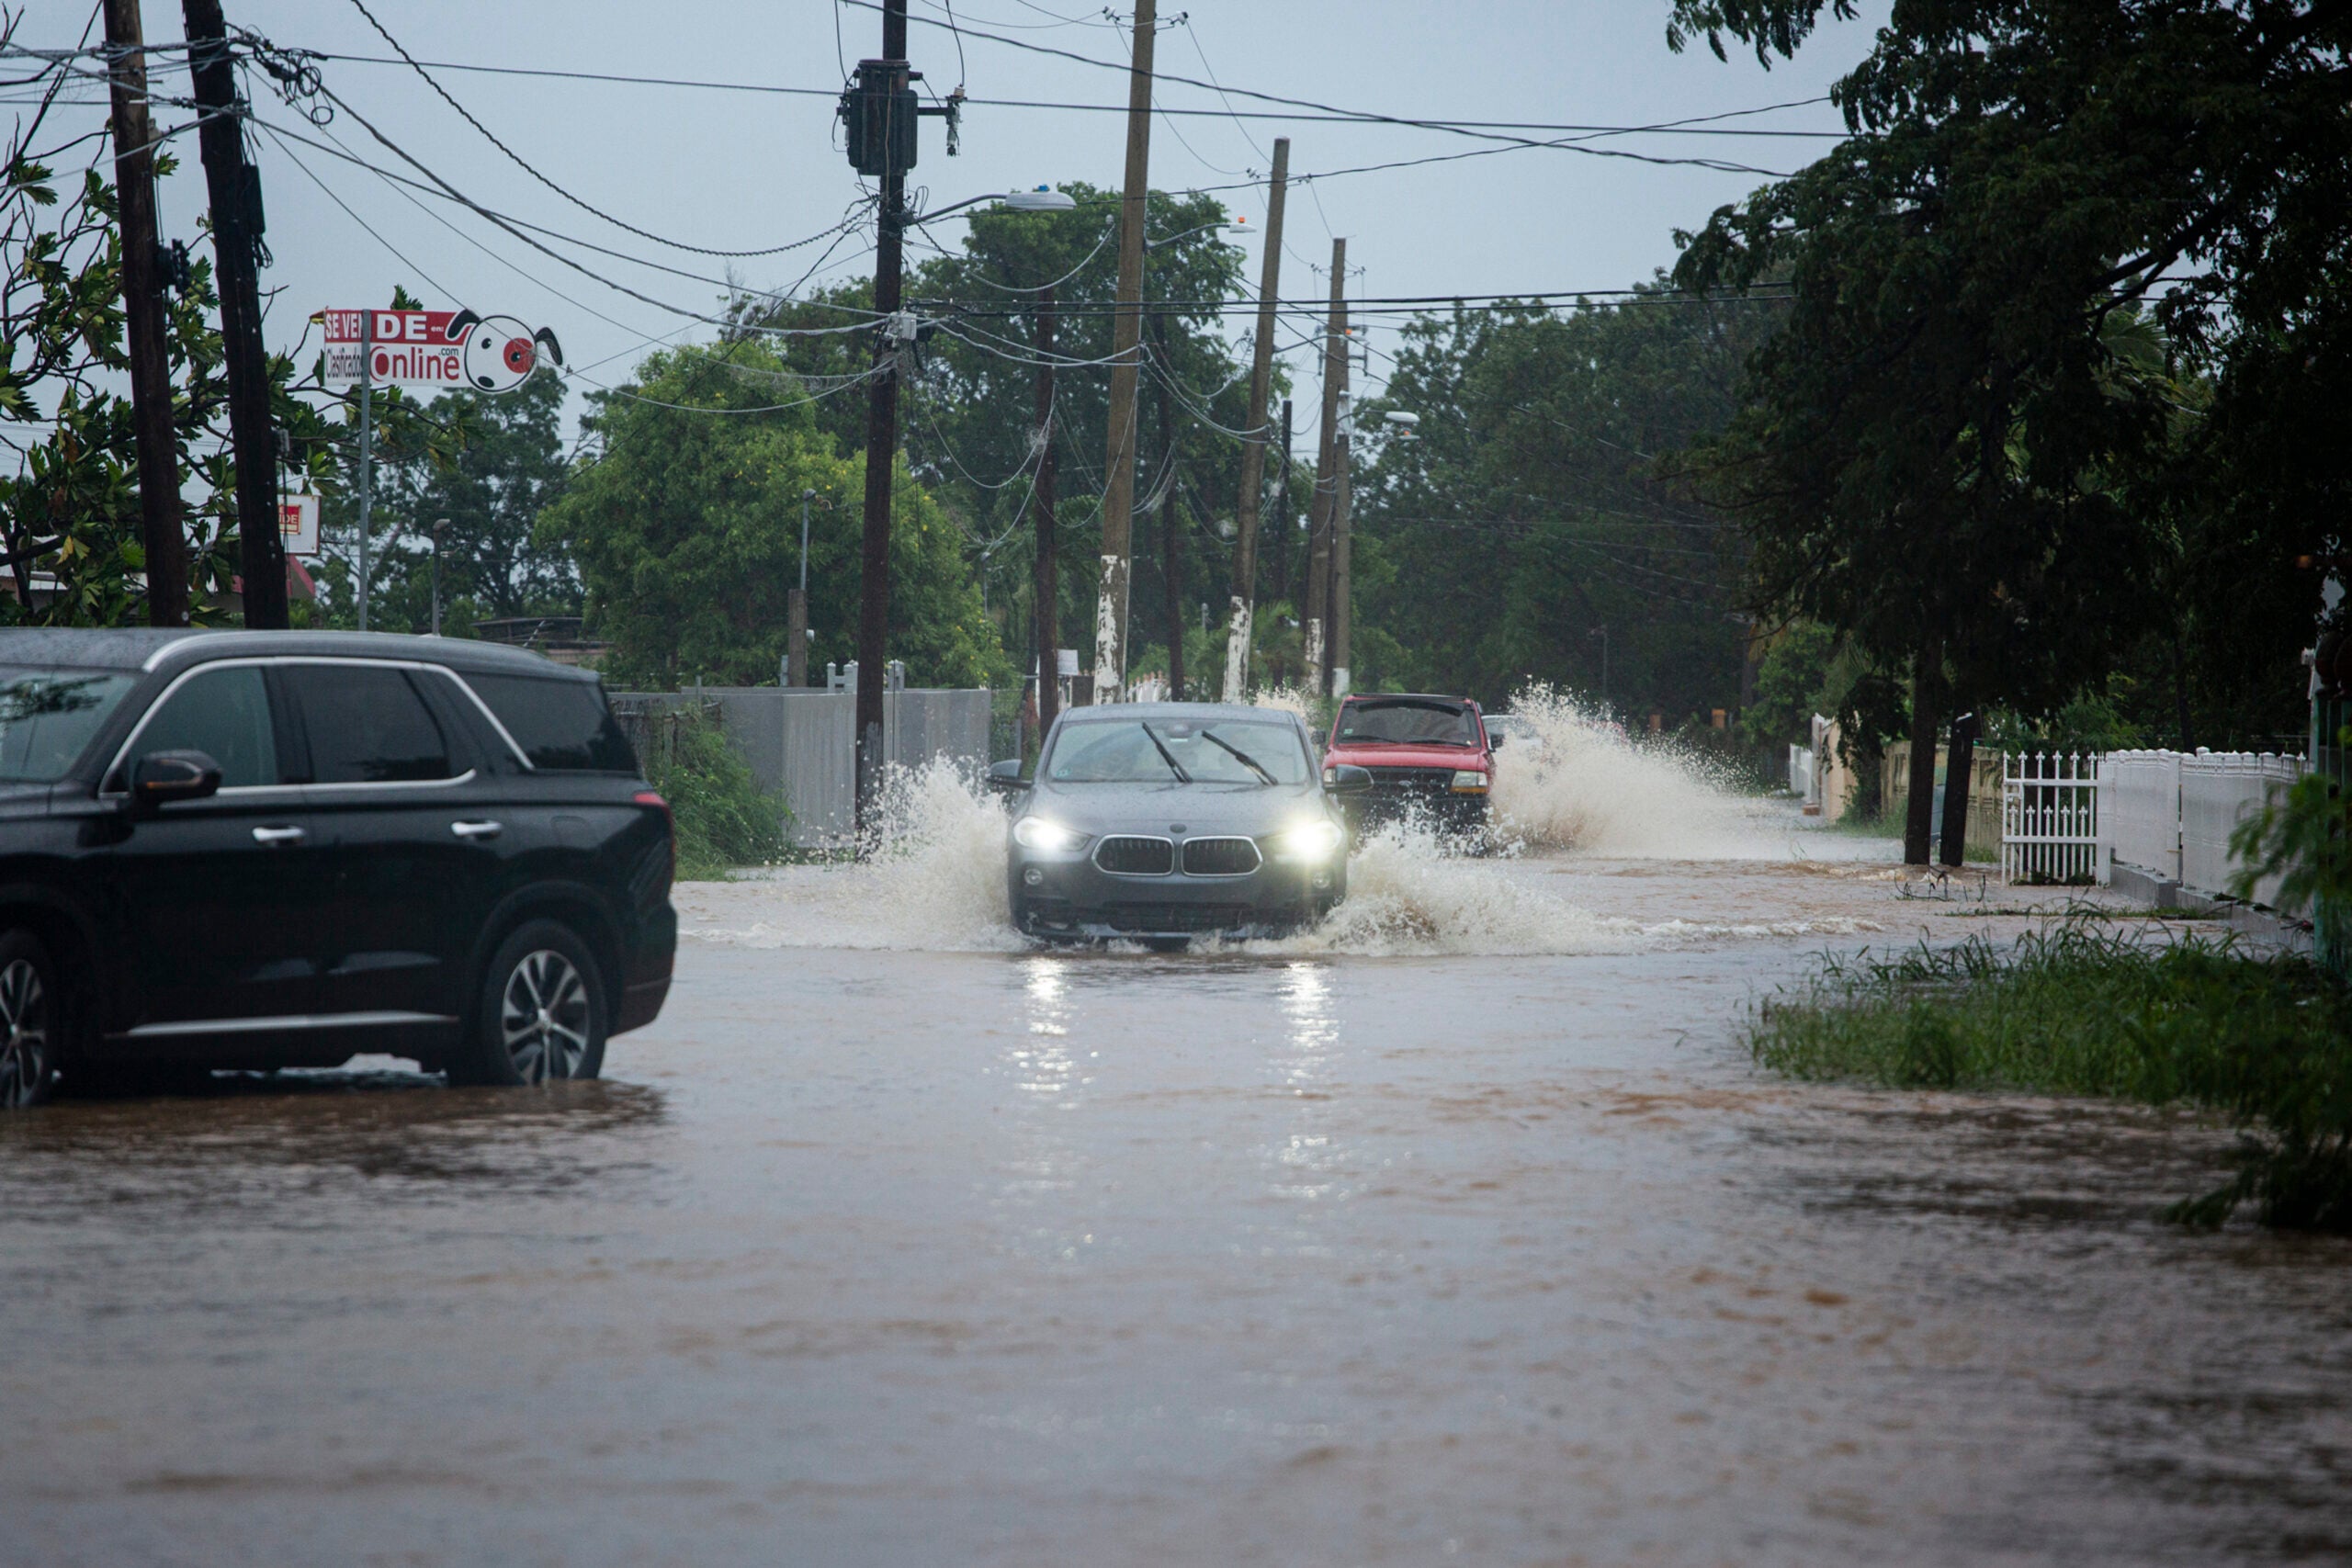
<point x="686" y="526"/>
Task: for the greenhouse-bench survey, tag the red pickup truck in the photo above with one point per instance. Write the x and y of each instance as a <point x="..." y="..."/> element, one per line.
<point x="1429" y="758"/>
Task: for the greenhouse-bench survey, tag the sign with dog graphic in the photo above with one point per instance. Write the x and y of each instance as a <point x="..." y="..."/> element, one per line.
<point x="444" y="350"/>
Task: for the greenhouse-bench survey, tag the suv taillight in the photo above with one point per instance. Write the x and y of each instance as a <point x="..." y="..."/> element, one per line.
<point x="669" y="824"/>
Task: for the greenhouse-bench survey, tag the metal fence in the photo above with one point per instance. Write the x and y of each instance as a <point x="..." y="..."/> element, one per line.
<point x="2050" y="818"/>
<point x="801" y="742"/>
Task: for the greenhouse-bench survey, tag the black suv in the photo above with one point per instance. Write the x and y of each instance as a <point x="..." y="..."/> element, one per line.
<point x="257" y="849"/>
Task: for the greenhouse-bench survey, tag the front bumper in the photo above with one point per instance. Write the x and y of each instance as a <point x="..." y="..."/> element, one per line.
<point x="1073" y="899"/>
<point x="1443" y="810"/>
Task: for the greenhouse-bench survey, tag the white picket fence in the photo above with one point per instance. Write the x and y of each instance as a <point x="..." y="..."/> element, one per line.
<point x="2049" y="817"/>
<point x="2072" y="818"/>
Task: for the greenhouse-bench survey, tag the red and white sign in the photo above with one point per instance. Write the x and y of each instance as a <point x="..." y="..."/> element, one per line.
<point x="298" y="525"/>
<point x="442" y="349"/>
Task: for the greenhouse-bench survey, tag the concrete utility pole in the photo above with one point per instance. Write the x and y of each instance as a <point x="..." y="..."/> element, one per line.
<point x="1342" y="543"/>
<point x="1046" y="622"/>
<point x="161" y="532"/>
<point x="1171" y="551"/>
<point x="1284" y="546"/>
<point x="233" y="188"/>
<point x="887" y="94"/>
<point x="1119" y="457"/>
<point x="1254" y="451"/>
<point x="1327" y="473"/>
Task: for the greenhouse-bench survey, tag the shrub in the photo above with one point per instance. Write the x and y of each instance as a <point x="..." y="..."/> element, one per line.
<point x="724" y="819"/>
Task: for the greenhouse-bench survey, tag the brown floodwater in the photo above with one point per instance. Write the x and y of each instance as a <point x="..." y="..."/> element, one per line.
<point x="1292" y="1256"/>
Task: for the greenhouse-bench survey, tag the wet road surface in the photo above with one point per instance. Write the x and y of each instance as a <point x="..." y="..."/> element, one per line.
<point x="893" y="1256"/>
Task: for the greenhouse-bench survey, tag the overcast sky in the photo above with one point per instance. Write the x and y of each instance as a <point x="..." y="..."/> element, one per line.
<point x="746" y="170"/>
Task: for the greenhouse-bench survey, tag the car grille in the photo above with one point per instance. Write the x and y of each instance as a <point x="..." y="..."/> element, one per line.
<point x="1220" y="857"/>
<point x="1144" y="918"/>
<point x="1412" y="781"/>
<point x="1136" y="856"/>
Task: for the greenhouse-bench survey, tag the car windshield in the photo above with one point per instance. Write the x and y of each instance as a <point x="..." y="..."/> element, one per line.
<point x="1164" y="750"/>
<point x="1408" y="721"/>
<point x="48" y="716"/>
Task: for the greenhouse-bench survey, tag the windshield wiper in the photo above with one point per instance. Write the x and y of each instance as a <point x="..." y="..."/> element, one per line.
<point x="1238" y="755"/>
<point x="1165" y="754"/>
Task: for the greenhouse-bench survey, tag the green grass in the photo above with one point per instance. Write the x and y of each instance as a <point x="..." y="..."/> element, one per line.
<point x="2075" y="1011"/>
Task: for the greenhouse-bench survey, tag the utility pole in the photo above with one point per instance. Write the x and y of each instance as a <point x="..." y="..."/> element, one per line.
<point x="439" y="528"/>
<point x="1327" y="472"/>
<point x="1045" y="623"/>
<point x="1284" y="544"/>
<point x="1171" y="553"/>
<point x="882" y="143"/>
<point x="233" y="188"/>
<point x="1253" y="450"/>
<point x="796" y="615"/>
<point x="1343" y="547"/>
<point x="143" y="303"/>
<point x="1119" y="458"/>
<point x="367" y="450"/>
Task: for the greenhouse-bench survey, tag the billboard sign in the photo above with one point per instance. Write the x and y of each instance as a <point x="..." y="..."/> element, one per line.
<point x="441" y="350"/>
<point x="298" y="525"/>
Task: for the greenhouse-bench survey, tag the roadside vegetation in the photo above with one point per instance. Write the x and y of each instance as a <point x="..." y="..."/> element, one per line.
<point x="724" y="819"/>
<point x="2266" y="1041"/>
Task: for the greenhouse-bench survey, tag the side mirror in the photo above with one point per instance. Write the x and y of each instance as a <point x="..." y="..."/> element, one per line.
<point x="1495" y="742"/>
<point x="162" y="777"/>
<point x="1349" y="779"/>
<point x="1005" y="777"/>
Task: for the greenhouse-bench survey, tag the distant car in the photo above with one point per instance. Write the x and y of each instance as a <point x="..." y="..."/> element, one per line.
<point x="1162" y="821"/>
<point x="261" y="850"/>
<point x="1429" y="758"/>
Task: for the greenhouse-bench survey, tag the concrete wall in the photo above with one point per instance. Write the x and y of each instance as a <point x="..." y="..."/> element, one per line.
<point x="801" y="743"/>
<point x="1983" y="791"/>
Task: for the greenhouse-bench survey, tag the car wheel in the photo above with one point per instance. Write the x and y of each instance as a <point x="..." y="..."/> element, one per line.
<point x="28" y="1022"/>
<point x="540" y="1015"/>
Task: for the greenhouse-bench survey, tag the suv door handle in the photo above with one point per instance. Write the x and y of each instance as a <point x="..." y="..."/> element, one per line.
<point x="278" y="835"/>
<point x="477" y="829"/>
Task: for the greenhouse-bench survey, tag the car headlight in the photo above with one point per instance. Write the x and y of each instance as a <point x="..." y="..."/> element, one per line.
<point x="1469" y="781"/>
<point x="1310" y="842"/>
<point x="1036" y="833"/>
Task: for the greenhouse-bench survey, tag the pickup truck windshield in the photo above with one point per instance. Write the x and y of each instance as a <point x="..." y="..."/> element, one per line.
<point x="1408" y="723"/>
<point x="48" y="716"/>
<point x="1223" y="751"/>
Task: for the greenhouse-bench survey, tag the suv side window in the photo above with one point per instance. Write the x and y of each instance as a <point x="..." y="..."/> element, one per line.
<point x="366" y="724"/>
<point x="560" y="723"/>
<point x="225" y="715"/>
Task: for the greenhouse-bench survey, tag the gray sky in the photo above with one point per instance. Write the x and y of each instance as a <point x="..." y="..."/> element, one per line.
<point x="737" y="170"/>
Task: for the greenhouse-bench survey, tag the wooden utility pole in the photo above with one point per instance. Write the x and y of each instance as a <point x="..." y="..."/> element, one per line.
<point x="142" y="304"/>
<point x="1172" y="544"/>
<point x="1318" y="513"/>
<point x="1046" y="620"/>
<point x="889" y="87"/>
<point x="1119" y="457"/>
<point x="234" y="188"/>
<point x="1244" y="595"/>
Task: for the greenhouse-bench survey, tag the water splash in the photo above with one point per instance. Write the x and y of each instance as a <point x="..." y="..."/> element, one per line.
<point x="1584" y="786"/>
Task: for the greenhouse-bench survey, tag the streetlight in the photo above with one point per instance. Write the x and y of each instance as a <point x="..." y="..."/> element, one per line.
<point x="796" y="620"/>
<point x="1404" y="422"/>
<point x="1045" y="198"/>
<point x="438" y="525"/>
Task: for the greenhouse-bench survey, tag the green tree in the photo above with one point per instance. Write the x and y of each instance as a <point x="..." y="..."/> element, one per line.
<point x="1958" y="451"/>
<point x="686" y="526"/>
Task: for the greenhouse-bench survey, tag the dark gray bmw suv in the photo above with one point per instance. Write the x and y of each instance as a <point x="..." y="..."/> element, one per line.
<point x="261" y="850"/>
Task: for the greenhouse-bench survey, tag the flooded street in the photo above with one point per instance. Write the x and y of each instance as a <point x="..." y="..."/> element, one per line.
<point x="1373" y="1246"/>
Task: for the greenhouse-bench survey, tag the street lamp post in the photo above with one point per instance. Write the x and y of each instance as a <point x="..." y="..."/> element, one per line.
<point x="796" y="648"/>
<point x="438" y="526"/>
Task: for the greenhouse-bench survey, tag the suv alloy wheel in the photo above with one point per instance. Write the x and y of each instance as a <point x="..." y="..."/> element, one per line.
<point x="27" y="1021"/>
<point x="541" y="1013"/>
